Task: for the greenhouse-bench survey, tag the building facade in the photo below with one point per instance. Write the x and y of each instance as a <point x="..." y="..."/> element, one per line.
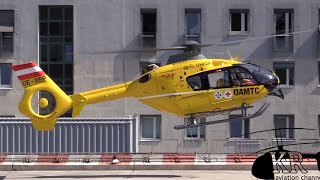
<point x="67" y="38"/>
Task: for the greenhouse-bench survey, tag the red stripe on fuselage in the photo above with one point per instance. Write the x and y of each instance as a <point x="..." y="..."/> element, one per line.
<point x="31" y="75"/>
<point x="23" y="66"/>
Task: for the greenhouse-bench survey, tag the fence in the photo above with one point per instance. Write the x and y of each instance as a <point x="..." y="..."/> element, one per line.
<point x="237" y="146"/>
<point x="119" y="136"/>
<point x="313" y="147"/>
<point x="158" y="146"/>
<point x="203" y="146"/>
<point x="226" y="146"/>
<point x="70" y="135"/>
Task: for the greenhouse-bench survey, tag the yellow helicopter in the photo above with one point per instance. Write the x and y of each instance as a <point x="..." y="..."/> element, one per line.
<point x="190" y="85"/>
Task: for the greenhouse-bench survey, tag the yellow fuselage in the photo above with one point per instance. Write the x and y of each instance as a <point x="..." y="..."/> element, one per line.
<point x="167" y="89"/>
<point x="164" y="88"/>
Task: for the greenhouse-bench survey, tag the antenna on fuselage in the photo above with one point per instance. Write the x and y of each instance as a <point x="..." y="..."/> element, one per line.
<point x="154" y="66"/>
<point x="230" y="54"/>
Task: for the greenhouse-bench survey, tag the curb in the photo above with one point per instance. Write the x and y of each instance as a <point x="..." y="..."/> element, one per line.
<point x="129" y="167"/>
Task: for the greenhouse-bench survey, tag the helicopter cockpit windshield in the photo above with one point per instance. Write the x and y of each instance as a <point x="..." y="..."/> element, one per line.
<point x="221" y="78"/>
<point x="263" y="76"/>
<point x="241" y="77"/>
<point x="237" y="75"/>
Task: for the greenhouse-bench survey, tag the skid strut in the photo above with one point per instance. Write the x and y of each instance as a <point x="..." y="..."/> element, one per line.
<point x="260" y="111"/>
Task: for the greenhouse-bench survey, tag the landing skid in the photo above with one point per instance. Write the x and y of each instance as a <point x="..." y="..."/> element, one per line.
<point x="262" y="109"/>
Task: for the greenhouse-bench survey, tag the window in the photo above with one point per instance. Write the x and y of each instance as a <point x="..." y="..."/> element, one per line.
<point x="284" y="121"/>
<point x="219" y="79"/>
<point x="239" y="128"/>
<point x="210" y="79"/>
<point x="283" y="23"/>
<point x="193" y="24"/>
<point x="285" y="72"/>
<point x="239" y="21"/>
<point x="56" y="46"/>
<point x="196" y="132"/>
<point x="318" y="32"/>
<point x="148" y="27"/>
<point x="318" y="73"/>
<point x="150" y="126"/>
<point x="241" y="77"/>
<point x="148" y="66"/>
<point x="195" y="83"/>
<point x="6" y="33"/>
<point x="5" y="75"/>
<point x="319" y="125"/>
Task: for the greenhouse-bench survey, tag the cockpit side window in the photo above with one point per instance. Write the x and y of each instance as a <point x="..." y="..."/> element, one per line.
<point x="209" y="80"/>
<point x="145" y="78"/>
<point x="195" y="82"/>
<point x="219" y="79"/>
<point x="241" y="77"/>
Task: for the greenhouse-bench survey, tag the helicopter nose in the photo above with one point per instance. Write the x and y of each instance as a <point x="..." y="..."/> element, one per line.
<point x="271" y="84"/>
<point x="271" y="81"/>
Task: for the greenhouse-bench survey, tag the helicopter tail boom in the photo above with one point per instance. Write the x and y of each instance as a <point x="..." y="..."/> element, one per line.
<point x="56" y="102"/>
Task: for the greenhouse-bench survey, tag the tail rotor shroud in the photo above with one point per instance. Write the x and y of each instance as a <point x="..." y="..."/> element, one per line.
<point x="53" y="102"/>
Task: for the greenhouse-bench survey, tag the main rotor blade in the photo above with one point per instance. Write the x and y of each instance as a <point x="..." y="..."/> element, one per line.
<point x="139" y="50"/>
<point x="257" y="38"/>
<point x="293" y="144"/>
<point x="185" y="47"/>
<point x="270" y="130"/>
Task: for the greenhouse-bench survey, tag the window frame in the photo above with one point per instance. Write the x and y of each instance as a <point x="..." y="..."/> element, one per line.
<point x="192" y="36"/>
<point x="199" y="129"/>
<point x="288" y="39"/>
<point x="318" y="73"/>
<point x="7" y="29"/>
<point x="155" y="118"/>
<point x="287" y="85"/>
<point x="231" y="83"/>
<point x="318" y="126"/>
<point x="11" y="74"/>
<point x="243" y="126"/>
<point x="288" y="117"/>
<point x="145" y="38"/>
<point x="48" y="41"/>
<point x="243" y="12"/>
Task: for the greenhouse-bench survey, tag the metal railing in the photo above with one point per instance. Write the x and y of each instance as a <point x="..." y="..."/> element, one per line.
<point x="158" y="146"/>
<point x="313" y="147"/>
<point x="237" y="146"/>
<point x="156" y="150"/>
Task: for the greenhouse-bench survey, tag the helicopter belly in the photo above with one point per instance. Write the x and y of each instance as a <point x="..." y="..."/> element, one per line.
<point x="221" y="99"/>
<point x="193" y="102"/>
<point x="166" y="104"/>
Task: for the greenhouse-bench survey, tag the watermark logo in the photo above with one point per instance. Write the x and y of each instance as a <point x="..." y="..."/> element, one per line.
<point x="282" y="164"/>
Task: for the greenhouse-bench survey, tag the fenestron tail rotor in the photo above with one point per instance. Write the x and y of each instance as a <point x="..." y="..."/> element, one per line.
<point x="52" y="103"/>
<point x="44" y="104"/>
